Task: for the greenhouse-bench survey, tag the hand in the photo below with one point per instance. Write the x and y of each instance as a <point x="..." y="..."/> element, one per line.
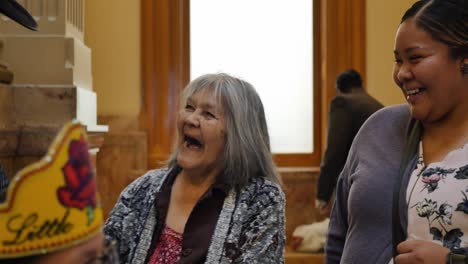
<point x="420" y="251"/>
<point x="323" y="206"/>
<point x="326" y="210"/>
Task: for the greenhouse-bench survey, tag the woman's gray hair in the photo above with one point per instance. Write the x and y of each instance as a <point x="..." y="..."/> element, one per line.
<point x="247" y="151"/>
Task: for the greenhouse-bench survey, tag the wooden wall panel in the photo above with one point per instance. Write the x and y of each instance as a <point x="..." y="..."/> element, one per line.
<point x="343" y="38"/>
<point x="165" y="71"/>
<point x="121" y="159"/>
<point x="299" y="186"/>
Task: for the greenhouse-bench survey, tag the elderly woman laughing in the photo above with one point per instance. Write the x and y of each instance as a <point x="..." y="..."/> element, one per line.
<point x="219" y="200"/>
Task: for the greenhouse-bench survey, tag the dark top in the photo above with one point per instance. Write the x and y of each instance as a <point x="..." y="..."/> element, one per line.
<point x="200" y="224"/>
<point x="250" y="228"/>
<point x="347" y="114"/>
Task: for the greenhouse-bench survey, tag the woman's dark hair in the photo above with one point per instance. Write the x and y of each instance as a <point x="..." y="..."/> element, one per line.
<point x="445" y="20"/>
<point x="347" y="80"/>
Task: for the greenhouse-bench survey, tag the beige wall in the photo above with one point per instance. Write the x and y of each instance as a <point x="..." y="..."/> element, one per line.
<point x="112" y="31"/>
<point x="383" y="18"/>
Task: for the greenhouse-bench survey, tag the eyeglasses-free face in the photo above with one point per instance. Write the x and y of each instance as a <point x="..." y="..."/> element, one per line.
<point x="202" y="136"/>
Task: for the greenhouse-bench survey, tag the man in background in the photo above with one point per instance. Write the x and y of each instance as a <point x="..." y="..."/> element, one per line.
<point x="348" y="111"/>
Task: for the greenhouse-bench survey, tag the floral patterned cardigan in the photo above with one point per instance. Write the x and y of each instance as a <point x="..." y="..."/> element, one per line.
<point x="250" y="228"/>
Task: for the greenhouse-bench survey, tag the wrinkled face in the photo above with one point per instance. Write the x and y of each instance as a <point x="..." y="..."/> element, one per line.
<point x="429" y="78"/>
<point x="202" y="136"/>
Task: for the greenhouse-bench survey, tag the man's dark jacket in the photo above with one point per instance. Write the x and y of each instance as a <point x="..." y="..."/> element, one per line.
<point x="348" y="111"/>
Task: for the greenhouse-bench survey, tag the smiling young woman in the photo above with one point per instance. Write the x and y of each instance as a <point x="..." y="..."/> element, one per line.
<point x="428" y="75"/>
<point x="403" y="194"/>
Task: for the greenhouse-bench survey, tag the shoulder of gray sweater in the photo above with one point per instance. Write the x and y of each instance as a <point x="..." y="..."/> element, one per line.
<point x="386" y="122"/>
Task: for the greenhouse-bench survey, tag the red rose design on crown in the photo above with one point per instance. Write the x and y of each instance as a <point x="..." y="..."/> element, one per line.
<point x="80" y="186"/>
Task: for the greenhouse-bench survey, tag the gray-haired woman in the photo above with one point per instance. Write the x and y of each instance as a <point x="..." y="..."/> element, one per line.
<point x="219" y="200"/>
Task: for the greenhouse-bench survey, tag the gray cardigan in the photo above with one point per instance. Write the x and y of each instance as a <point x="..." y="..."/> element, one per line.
<point x="250" y="227"/>
<point x="361" y="222"/>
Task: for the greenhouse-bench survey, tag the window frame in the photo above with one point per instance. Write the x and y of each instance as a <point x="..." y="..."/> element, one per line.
<point x="339" y="43"/>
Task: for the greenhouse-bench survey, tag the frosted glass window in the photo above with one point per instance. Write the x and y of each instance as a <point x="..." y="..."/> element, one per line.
<point x="269" y="44"/>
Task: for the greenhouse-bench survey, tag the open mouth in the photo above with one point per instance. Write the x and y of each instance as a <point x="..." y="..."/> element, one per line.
<point x="413" y="92"/>
<point x="192" y="143"/>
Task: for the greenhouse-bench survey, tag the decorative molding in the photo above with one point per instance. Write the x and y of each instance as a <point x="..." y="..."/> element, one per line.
<point x="52" y="9"/>
<point x="165" y="70"/>
<point x="54" y="18"/>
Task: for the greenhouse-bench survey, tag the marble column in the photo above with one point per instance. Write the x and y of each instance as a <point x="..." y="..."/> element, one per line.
<point x="51" y="80"/>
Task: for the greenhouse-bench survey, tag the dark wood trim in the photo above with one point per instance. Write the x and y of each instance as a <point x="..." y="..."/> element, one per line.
<point x="343" y="39"/>
<point x="318" y="146"/>
<point x="313" y="159"/>
<point x="339" y="36"/>
<point x="165" y="71"/>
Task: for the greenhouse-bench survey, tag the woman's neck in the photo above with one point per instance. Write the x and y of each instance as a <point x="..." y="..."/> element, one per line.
<point x="453" y="126"/>
<point x="196" y="179"/>
<point x="439" y="138"/>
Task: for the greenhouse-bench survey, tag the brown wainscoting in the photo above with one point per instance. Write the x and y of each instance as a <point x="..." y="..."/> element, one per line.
<point x="299" y="188"/>
<point x="299" y="185"/>
<point x="121" y="159"/>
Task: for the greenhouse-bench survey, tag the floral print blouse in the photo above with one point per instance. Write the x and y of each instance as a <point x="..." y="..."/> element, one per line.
<point x="437" y="196"/>
<point x="168" y="248"/>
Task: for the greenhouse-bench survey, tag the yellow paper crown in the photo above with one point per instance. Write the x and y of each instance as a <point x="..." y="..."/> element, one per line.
<point x="52" y="204"/>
